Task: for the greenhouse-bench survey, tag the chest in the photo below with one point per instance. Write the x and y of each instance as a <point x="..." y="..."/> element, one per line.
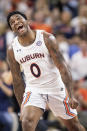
<point x="30" y="54"/>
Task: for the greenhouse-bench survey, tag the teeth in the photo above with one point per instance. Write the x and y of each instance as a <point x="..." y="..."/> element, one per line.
<point x="20" y="27"/>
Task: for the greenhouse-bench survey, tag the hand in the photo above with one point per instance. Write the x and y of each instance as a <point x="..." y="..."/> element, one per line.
<point x="73" y="103"/>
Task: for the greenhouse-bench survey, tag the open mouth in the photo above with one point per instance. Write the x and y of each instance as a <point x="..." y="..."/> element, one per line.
<point x="20" y="27"/>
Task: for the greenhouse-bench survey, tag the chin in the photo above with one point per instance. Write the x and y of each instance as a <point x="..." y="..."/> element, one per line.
<point x="23" y="34"/>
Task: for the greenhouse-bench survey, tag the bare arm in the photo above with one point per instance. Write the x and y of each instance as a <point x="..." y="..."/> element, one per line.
<point x="59" y="61"/>
<point x="18" y="82"/>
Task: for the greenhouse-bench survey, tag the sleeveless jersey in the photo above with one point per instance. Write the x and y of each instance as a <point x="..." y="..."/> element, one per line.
<point x="41" y="75"/>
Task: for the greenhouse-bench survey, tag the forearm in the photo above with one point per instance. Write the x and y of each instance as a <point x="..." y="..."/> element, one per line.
<point x="64" y="71"/>
<point x="67" y="79"/>
<point x="19" y="90"/>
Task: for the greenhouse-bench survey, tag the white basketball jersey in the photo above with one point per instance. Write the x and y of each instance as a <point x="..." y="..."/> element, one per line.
<point x="41" y="75"/>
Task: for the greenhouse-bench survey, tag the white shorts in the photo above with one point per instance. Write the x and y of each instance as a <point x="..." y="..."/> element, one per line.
<point x="58" y="104"/>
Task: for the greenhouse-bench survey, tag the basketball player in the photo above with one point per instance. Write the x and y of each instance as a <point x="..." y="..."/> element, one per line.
<point x="38" y="54"/>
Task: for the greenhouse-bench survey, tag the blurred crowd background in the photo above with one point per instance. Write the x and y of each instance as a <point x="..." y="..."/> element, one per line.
<point x="67" y="20"/>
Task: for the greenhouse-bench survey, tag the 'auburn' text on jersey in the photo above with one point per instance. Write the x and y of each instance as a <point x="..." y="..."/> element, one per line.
<point x="31" y="56"/>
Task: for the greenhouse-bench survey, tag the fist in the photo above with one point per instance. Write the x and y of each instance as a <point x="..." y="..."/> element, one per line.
<point x="73" y="103"/>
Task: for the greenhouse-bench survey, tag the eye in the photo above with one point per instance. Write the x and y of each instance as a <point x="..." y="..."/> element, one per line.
<point x="18" y="18"/>
<point x="12" y="22"/>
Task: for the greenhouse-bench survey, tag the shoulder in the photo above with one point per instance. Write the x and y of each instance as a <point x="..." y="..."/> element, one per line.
<point x="11" y="59"/>
<point x="10" y="47"/>
<point x="10" y="53"/>
<point x="49" y="38"/>
<point x="50" y="42"/>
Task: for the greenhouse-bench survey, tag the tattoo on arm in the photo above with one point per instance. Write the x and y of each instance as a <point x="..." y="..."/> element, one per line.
<point x="18" y="82"/>
<point x="64" y="70"/>
<point x="59" y="62"/>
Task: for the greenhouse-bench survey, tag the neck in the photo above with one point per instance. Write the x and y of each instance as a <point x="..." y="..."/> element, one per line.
<point x="28" y="38"/>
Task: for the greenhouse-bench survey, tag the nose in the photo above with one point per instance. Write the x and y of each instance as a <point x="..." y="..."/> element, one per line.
<point x="16" y="22"/>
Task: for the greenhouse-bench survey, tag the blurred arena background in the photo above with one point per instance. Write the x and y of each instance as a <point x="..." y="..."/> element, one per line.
<point x="67" y="20"/>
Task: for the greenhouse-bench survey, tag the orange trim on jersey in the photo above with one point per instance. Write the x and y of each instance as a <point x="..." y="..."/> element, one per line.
<point x="27" y="98"/>
<point x="67" y="108"/>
